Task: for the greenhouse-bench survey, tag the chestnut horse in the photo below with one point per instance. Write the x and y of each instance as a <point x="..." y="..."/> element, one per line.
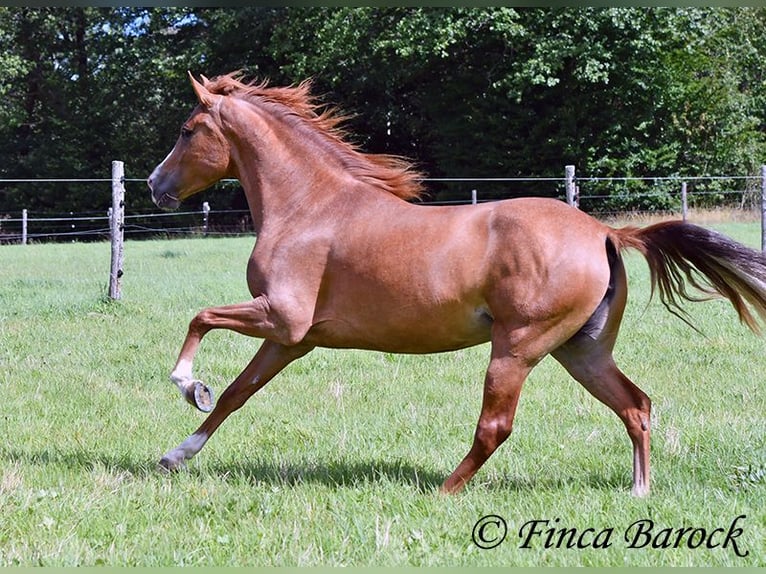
<point x="342" y="260"/>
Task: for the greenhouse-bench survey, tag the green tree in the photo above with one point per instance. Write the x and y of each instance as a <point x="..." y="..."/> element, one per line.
<point x="84" y="86"/>
<point x="466" y="92"/>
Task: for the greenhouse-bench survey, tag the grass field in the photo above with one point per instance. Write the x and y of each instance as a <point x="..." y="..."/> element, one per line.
<point x="338" y="460"/>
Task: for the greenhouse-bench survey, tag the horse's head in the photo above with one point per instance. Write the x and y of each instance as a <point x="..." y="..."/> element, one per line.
<point x="200" y="157"/>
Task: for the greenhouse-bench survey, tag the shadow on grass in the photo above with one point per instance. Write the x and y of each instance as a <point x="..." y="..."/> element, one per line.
<point x="615" y="482"/>
<point x="341" y="473"/>
<point x="78" y="460"/>
<point x="335" y="473"/>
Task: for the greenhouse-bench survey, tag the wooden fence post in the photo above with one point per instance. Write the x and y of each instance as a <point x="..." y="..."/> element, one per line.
<point x="569" y="172"/>
<point x="684" y="206"/>
<point x="117" y="228"/>
<point x="763" y="208"/>
<point x="24" y="217"/>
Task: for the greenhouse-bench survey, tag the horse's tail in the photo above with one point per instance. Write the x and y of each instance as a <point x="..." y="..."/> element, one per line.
<point x="680" y="253"/>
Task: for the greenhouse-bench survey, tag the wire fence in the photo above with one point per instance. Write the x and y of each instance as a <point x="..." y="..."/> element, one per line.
<point x="605" y="197"/>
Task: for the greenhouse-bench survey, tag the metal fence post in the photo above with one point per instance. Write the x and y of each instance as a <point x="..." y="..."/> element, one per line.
<point x="24" y="217"/>
<point x="684" y="207"/>
<point x="117" y="228"/>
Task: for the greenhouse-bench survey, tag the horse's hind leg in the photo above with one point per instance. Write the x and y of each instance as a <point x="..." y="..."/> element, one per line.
<point x="588" y="358"/>
<point x="595" y="369"/>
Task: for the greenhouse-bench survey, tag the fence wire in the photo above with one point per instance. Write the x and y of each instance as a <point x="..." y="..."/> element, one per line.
<point x="603" y="196"/>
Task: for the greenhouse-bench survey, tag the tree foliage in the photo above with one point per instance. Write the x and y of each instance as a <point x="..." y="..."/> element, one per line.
<point x="465" y="92"/>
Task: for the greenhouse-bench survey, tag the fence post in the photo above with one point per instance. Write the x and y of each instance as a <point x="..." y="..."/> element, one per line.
<point x="684" y="206"/>
<point x="24" y="217"/>
<point x="474" y="199"/>
<point x="117" y="228"/>
<point x="763" y="208"/>
<point x="205" y="217"/>
<point x="569" y="172"/>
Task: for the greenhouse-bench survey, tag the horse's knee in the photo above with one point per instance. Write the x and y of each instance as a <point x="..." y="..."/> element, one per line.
<point x="490" y="434"/>
<point x="201" y="321"/>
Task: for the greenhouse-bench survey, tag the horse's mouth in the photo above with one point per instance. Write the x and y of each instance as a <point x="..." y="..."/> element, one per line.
<point x="160" y="191"/>
<point x="166" y="201"/>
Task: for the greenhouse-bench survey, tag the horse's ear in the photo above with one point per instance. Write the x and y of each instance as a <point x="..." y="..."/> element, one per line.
<point x="203" y="95"/>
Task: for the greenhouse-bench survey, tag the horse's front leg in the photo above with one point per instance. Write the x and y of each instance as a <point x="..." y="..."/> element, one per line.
<point x="250" y="318"/>
<point x="267" y="362"/>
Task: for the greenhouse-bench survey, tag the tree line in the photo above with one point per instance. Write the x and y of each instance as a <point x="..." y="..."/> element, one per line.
<point x="465" y="92"/>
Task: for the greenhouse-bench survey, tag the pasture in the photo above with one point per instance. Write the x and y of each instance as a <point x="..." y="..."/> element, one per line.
<point x="338" y="460"/>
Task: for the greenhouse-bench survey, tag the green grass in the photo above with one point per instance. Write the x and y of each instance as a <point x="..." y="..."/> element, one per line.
<point x="338" y="460"/>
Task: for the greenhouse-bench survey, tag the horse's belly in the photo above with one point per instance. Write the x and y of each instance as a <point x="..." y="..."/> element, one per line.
<point x="418" y="332"/>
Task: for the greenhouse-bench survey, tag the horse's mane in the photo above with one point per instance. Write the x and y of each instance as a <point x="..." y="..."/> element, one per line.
<point x="390" y="173"/>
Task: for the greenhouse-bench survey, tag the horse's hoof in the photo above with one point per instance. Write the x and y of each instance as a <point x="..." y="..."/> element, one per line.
<point x="200" y="395"/>
<point x="168" y="465"/>
<point x="203" y="397"/>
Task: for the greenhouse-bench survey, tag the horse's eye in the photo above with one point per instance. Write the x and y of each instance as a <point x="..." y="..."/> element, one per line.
<point x="186" y="133"/>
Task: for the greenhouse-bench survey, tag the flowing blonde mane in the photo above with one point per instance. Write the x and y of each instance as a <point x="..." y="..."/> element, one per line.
<point x="390" y="173"/>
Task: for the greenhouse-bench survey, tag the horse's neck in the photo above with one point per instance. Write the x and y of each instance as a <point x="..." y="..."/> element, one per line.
<point x="296" y="201"/>
<point x="289" y="181"/>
